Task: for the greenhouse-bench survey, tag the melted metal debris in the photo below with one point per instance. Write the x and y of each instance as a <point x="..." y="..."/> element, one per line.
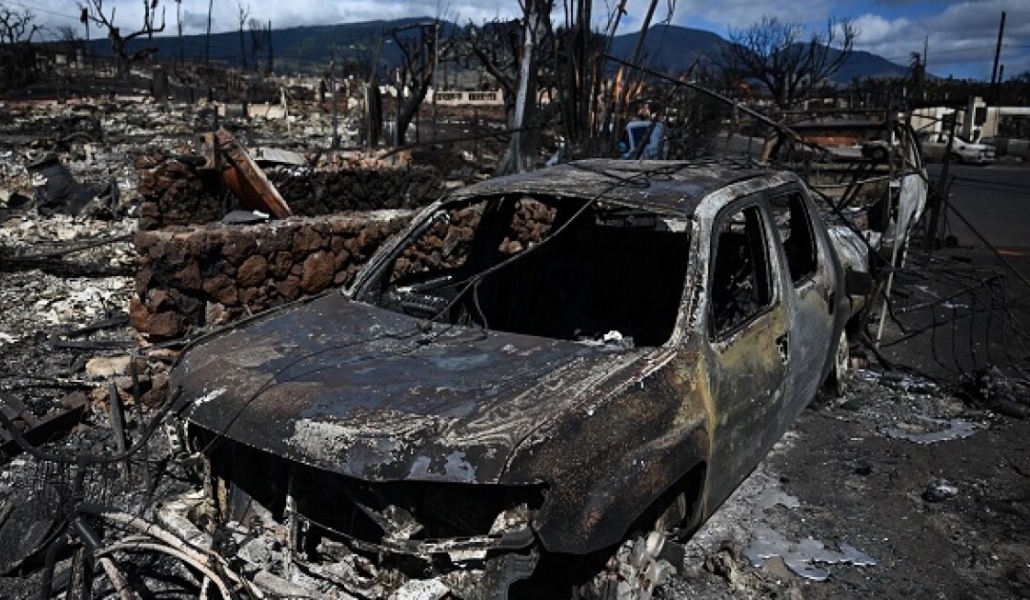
<point x="929" y="430"/>
<point x="771" y="497"/>
<point x="939" y="490"/>
<point x="802" y="557"/>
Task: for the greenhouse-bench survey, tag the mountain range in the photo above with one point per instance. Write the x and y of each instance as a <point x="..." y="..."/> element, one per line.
<point x="668" y="48"/>
<point x="671" y="48"/>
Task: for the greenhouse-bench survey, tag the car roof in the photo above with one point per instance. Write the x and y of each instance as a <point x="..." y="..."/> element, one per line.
<point x="660" y="185"/>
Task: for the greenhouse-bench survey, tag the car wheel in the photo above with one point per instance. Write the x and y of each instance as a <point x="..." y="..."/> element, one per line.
<point x="879" y="154"/>
<point x="955" y="158"/>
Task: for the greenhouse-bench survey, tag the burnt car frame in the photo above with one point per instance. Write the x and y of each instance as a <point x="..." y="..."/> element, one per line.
<point x="541" y="364"/>
<point x="872" y="170"/>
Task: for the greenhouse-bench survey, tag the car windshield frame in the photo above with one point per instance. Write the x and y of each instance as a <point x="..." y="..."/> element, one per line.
<point x="654" y="238"/>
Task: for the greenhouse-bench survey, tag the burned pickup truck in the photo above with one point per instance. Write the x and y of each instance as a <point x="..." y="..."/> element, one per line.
<point x="543" y="365"/>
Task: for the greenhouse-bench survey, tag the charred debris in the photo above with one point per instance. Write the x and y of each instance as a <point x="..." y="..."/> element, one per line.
<point x="225" y="482"/>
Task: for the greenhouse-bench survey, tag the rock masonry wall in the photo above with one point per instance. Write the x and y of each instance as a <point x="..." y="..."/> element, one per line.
<point x="333" y="191"/>
<point x="173" y="191"/>
<point x="190" y="277"/>
<point x="194" y="271"/>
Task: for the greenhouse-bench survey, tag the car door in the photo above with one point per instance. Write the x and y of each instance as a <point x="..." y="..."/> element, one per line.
<point x="747" y="343"/>
<point x="811" y="296"/>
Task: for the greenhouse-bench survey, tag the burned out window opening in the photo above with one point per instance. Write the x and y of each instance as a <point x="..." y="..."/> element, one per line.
<point x="443" y="247"/>
<point x="793" y="222"/>
<point x="741" y="285"/>
<point x="609" y="271"/>
<point x="531" y="222"/>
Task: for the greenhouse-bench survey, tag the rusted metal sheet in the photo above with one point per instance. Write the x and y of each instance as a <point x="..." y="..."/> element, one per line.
<point x="241" y="174"/>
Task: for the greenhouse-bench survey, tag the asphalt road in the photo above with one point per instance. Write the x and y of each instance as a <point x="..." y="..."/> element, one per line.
<point x="996" y="201"/>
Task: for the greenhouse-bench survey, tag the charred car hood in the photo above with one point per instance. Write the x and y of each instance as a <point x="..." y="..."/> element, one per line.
<point x="370" y="393"/>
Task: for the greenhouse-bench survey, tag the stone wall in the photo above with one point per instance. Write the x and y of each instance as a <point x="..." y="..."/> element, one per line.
<point x="332" y="191"/>
<point x="173" y="191"/>
<point x="190" y="277"/>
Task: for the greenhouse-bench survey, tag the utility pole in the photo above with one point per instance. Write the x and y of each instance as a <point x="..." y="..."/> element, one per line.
<point x="271" y="66"/>
<point x="436" y="67"/>
<point x="332" y="90"/>
<point x="84" y="19"/>
<point x="207" y="38"/>
<point x="926" y="51"/>
<point x="178" y="18"/>
<point x="995" y="80"/>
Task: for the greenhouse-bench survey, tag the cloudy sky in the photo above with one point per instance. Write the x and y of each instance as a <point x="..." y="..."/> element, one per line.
<point x="961" y="34"/>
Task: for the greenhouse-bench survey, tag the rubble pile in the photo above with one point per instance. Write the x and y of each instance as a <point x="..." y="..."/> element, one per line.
<point x="210" y="275"/>
<point x="127" y="119"/>
<point x="76" y="249"/>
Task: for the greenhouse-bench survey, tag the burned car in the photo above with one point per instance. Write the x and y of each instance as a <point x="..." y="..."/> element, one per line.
<point x="871" y="170"/>
<point x="542" y="365"/>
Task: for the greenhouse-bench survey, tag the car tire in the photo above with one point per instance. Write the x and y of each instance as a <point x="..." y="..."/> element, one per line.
<point x="955" y="158"/>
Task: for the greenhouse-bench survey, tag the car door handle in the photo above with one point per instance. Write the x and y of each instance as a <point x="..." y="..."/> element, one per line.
<point x="783" y="347"/>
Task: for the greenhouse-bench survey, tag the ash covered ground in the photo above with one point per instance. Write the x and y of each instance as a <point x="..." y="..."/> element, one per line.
<point x="914" y="483"/>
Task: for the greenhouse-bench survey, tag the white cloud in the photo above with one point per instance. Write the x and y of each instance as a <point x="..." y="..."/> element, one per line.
<point x="961" y="34"/>
<point x="874" y="29"/>
<point x="961" y="38"/>
<point x="287" y="13"/>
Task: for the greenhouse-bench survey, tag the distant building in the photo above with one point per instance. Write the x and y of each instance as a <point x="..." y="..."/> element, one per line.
<point x="977" y="120"/>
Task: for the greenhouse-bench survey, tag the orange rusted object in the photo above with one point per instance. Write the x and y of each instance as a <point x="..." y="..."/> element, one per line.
<point x="243" y="177"/>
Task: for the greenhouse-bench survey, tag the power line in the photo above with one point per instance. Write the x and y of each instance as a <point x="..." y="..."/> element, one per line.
<point x="43" y="10"/>
<point x="940" y="52"/>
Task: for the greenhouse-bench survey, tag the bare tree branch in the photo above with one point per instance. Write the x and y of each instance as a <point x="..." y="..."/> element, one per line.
<point x="259" y="37"/>
<point x="120" y="42"/>
<point x="789" y="65"/>
<point x="417" y="67"/>
<point x="515" y="53"/>
<point x="17" y="26"/>
<point x="242" y="15"/>
<point x="495" y="46"/>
